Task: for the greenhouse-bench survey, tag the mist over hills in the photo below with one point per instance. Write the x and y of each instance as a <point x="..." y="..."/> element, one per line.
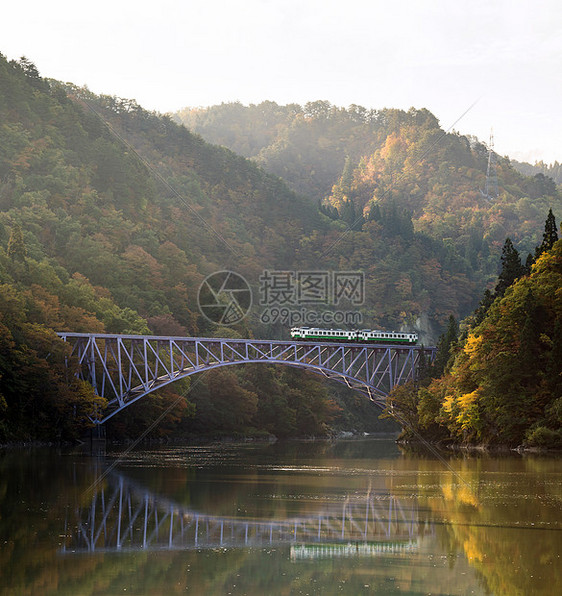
<point x="380" y="157"/>
<point x="393" y="172"/>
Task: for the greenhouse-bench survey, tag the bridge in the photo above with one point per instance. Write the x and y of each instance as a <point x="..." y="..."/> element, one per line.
<point x="123" y="516"/>
<point x="125" y="368"/>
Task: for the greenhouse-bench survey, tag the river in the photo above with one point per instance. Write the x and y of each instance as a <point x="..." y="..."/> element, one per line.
<point x="346" y="517"/>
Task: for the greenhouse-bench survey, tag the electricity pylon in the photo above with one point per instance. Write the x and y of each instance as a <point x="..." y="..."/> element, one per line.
<point x="491" y="189"/>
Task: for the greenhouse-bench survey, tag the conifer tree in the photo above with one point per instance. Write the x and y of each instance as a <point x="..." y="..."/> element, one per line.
<point x="16" y="244"/>
<point x="529" y="263"/>
<point x="483" y="307"/>
<point x="511" y="268"/>
<point x="374" y="213"/>
<point x="444" y="345"/>
<point x="346" y="180"/>
<point x="550" y="235"/>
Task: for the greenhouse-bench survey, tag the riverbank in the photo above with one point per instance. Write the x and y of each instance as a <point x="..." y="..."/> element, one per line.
<point x="475" y="447"/>
<point x="206" y="439"/>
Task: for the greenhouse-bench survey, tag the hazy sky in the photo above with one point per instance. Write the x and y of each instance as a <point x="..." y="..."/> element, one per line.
<point x="439" y="54"/>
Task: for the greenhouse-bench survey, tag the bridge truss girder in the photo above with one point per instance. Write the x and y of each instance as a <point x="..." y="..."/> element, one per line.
<point x="125" y="368"/>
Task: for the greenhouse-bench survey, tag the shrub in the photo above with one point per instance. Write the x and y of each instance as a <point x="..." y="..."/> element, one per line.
<point x="540" y="436"/>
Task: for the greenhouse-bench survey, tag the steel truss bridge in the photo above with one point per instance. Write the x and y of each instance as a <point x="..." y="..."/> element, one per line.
<point x="124" y="516"/>
<point x="125" y="368"/>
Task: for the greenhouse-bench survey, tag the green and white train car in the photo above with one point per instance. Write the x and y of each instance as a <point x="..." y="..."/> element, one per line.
<point x="355" y="336"/>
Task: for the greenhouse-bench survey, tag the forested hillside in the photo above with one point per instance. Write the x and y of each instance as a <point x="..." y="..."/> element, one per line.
<point x="389" y="165"/>
<point x="553" y="170"/>
<point x="92" y="240"/>
<point x="111" y="216"/>
<point x="500" y="381"/>
<point x="306" y="146"/>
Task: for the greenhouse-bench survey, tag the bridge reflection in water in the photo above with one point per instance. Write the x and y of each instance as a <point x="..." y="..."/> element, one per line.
<point x="123" y="516"/>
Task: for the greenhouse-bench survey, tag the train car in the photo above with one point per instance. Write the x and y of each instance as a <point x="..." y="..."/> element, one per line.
<point x="387" y="337"/>
<point x="356" y="336"/>
<point x="323" y="334"/>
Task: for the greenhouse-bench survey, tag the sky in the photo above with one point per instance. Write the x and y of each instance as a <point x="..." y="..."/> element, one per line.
<point x="500" y="60"/>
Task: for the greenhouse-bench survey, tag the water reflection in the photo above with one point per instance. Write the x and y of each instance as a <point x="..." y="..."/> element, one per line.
<point x="351" y="518"/>
<point x="123" y="515"/>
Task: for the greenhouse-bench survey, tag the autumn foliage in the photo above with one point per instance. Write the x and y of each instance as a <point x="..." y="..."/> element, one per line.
<point x="111" y="216"/>
<point x="503" y="382"/>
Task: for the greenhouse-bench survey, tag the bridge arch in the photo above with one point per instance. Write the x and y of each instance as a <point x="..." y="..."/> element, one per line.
<point x="125" y="368"/>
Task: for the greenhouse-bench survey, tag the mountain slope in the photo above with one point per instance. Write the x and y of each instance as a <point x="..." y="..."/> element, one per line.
<point x="363" y="162"/>
<point x="93" y="238"/>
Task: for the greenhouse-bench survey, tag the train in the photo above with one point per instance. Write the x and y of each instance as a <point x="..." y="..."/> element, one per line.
<point x="353" y="336"/>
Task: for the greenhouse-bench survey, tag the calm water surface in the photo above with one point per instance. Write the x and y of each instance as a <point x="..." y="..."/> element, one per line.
<point x="351" y="517"/>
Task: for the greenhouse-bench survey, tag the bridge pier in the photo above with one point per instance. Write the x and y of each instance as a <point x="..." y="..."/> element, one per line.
<point x="96" y="441"/>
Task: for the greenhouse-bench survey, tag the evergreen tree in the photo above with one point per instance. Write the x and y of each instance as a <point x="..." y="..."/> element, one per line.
<point x="511" y="268"/>
<point x="346" y="180"/>
<point x="374" y="213"/>
<point x="529" y="263"/>
<point x="349" y="215"/>
<point x="328" y="210"/>
<point x="530" y="351"/>
<point x="483" y="307"/>
<point x="550" y="235"/>
<point x="444" y="346"/>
